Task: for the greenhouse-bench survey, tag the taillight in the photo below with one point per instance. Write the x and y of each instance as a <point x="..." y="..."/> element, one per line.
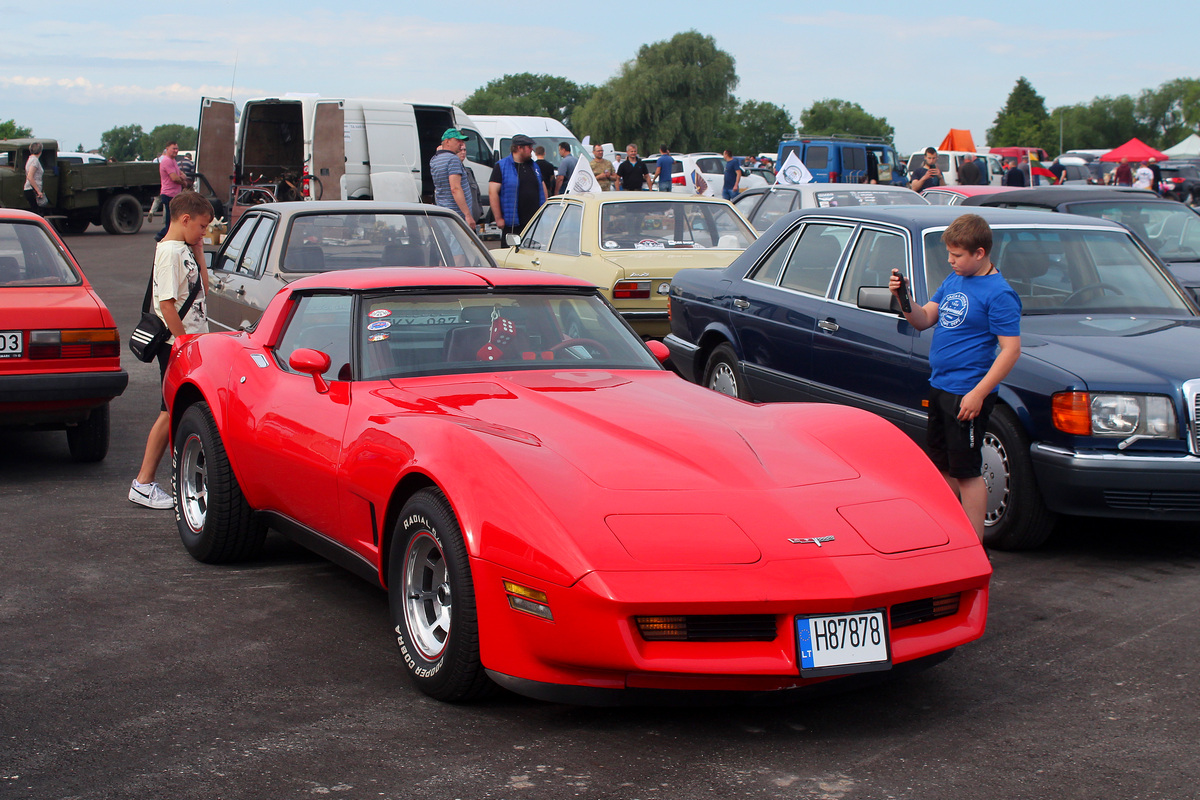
<point x="1071" y="413"/>
<point x="832" y="176"/>
<point x="631" y="290"/>
<point x="1176" y="180"/>
<point x="94" y="343"/>
<point x="679" y="180"/>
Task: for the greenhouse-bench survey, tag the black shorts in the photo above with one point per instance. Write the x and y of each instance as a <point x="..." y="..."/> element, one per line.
<point x="956" y="447"/>
<point x="164" y="357"/>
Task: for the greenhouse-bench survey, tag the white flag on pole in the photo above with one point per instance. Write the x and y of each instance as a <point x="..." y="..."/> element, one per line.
<point x="583" y="180"/>
<point x="702" y="186"/>
<point x="793" y="171"/>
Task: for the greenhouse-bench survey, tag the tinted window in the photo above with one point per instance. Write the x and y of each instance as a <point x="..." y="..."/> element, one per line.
<point x="231" y="256"/>
<point x="320" y="322"/>
<point x="815" y="257"/>
<point x="29" y="257"/>
<point x="867" y="197"/>
<point x="711" y="166"/>
<point x="854" y="160"/>
<point x="769" y="268"/>
<point x="816" y="157"/>
<point x="477" y="149"/>
<point x="256" y="250"/>
<point x="875" y="255"/>
<point x="774" y="206"/>
<point x="323" y="242"/>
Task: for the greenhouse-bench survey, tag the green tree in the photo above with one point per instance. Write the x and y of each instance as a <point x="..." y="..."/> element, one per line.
<point x="1170" y="112"/>
<point x="1023" y="122"/>
<point x="674" y="93"/>
<point x="123" y="143"/>
<point x="1104" y="122"/>
<point x="9" y="129"/>
<point x="752" y="127"/>
<point x="832" y="116"/>
<point x="527" y="94"/>
<point x="156" y="141"/>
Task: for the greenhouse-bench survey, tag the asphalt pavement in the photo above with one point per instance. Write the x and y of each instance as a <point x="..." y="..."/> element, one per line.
<point x="128" y="670"/>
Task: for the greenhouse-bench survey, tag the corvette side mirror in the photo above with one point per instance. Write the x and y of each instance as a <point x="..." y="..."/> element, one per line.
<point x="311" y="362"/>
<point x="659" y="351"/>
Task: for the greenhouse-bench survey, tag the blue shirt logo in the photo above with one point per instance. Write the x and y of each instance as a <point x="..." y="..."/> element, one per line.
<point x="953" y="310"/>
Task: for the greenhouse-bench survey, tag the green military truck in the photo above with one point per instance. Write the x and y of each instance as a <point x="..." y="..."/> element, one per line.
<point x="112" y="195"/>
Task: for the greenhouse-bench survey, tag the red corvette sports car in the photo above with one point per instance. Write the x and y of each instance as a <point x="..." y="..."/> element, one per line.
<point x="549" y="508"/>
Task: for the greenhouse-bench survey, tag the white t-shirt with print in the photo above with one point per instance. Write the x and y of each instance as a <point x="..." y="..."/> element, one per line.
<point x="175" y="273"/>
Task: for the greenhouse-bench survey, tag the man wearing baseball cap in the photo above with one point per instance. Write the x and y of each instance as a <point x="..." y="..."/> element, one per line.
<point x="515" y="189"/>
<point x="450" y="180"/>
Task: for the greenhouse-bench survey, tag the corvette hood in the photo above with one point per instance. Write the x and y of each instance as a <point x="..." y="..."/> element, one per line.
<point x="1115" y="351"/>
<point x="632" y="433"/>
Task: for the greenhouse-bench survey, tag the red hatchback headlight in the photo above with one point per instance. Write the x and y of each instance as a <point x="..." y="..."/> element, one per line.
<point x="82" y="343"/>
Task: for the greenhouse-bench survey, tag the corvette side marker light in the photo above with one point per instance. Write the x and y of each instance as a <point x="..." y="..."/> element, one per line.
<point x="662" y="628"/>
<point x="531" y="601"/>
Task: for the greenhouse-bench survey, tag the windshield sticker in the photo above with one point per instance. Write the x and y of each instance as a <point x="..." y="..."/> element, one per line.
<point x="648" y="244"/>
<point x="380" y="312"/>
<point x="377" y="337"/>
<point x="379" y="325"/>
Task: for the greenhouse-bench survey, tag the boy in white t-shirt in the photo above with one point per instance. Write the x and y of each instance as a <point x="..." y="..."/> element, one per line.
<point x="178" y="265"/>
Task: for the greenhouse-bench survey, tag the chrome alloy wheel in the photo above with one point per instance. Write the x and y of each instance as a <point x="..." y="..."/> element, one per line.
<point x="193" y="483"/>
<point x="997" y="476"/>
<point x="427" y="601"/>
<point x="723" y="380"/>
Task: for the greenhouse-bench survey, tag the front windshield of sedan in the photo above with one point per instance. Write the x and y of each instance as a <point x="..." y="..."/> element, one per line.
<point x="404" y="334"/>
<point x="324" y="242"/>
<point x="658" y="225"/>
<point x="1064" y="270"/>
<point x="1171" y="229"/>
<point x="28" y="257"/>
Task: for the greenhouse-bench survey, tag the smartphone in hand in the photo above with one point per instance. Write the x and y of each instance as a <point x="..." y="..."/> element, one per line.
<point x="905" y="304"/>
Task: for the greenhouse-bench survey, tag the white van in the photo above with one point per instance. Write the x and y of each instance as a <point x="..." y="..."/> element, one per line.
<point x="950" y="161"/>
<point x="356" y="149"/>
<point x="548" y="132"/>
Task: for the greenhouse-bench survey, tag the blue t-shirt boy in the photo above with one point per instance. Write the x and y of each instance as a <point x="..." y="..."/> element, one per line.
<point x="972" y="312"/>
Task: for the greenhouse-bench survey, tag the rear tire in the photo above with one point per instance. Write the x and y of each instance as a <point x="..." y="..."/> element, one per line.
<point x="722" y="373"/>
<point x="1016" y="516"/>
<point x="121" y="214"/>
<point x="215" y="522"/>
<point x="432" y="598"/>
<point x="88" y="441"/>
<point x="76" y="225"/>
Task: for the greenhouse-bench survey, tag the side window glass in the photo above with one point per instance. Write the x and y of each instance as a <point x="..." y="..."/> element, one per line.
<point x="814" y="258"/>
<point x="768" y="270"/>
<point x="566" y="237"/>
<point x="816" y="157"/>
<point x="256" y="251"/>
<point x="774" y="206"/>
<point x="320" y="322"/>
<point x="538" y="235"/>
<point x="871" y="263"/>
<point x="232" y="254"/>
<point x="477" y="149"/>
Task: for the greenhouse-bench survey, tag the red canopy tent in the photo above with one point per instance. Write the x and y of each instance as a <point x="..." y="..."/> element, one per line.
<point x="1135" y="150"/>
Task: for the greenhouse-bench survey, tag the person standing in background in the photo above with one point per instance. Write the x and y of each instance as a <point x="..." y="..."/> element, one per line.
<point x="603" y="169"/>
<point x="633" y="172"/>
<point x="450" y="185"/>
<point x="171" y="182"/>
<point x="566" y="166"/>
<point x="34" y="173"/>
<point x="545" y="168"/>
<point x="662" y="169"/>
<point x="733" y="175"/>
<point x="515" y="189"/>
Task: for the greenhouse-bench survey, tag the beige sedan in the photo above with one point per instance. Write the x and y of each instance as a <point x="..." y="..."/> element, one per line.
<point x="630" y="244"/>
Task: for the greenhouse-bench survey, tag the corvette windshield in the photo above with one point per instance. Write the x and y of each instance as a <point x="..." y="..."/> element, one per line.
<point x="403" y="334"/>
<point x="324" y="242"/>
<point x="675" y="224"/>
<point x="1071" y="271"/>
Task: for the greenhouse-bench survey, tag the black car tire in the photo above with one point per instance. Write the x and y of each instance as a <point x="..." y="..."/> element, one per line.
<point x="722" y="374"/>
<point x="121" y="214"/>
<point x="432" y="599"/>
<point x="1019" y="520"/>
<point x="74" y="225"/>
<point x="88" y="441"/>
<point x="215" y="522"/>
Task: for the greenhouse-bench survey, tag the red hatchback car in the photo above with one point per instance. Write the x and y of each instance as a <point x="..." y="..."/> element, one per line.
<point x="60" y="354"/>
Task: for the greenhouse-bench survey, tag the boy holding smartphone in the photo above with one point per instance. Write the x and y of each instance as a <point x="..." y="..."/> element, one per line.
<point x="975" y="345"/>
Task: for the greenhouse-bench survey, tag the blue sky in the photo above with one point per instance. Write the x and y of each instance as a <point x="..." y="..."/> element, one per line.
<point x="77" y="72"/>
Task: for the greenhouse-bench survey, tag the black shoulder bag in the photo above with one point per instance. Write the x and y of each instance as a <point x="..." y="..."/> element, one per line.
<point x="152" y="333"/>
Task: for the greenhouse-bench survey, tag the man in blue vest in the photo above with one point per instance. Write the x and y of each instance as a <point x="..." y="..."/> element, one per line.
<point x="515" y="189"/>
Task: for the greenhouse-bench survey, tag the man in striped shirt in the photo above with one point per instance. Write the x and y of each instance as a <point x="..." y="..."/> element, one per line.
<point x="449" y="176"/>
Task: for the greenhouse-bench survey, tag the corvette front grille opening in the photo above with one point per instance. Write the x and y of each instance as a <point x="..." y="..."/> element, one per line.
<point x="708" y="628"/>
<point x="918" y="611"/>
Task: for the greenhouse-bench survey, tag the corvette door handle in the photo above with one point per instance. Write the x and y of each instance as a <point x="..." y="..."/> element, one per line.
<point x="827" y="325"/>
<point x="741" y="304"/>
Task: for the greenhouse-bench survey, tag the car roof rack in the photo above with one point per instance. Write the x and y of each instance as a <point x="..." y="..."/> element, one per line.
<point x="845" y="137"/>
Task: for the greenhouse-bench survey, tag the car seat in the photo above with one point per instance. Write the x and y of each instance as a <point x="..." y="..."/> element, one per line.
<point x="405" y="255"/>
<point x="305" y="258"/>
<point x="10" y="270"/>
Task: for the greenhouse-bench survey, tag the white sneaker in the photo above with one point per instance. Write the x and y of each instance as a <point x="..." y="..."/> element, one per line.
<point x="150" y="495"/>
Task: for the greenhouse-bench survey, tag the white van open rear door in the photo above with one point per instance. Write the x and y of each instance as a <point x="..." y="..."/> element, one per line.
<point x="216" y="137"/>
<point x="329" y="148"/>
<point x="394" y="153"/>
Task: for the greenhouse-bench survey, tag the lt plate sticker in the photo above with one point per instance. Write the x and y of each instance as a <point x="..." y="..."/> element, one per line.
<point x="377" y="337"/>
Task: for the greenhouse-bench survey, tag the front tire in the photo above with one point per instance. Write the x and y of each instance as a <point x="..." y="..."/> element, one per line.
<point x="432" y="600"/>
<point x="88" y="441"/>
<point x="1016" y="517"/>
<point x="215" y="522"/>
<point x="121" y="214"/>
<point x="722" y="374"/>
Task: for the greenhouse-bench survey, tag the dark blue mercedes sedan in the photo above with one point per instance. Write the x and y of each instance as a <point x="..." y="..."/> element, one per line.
<point x="1099" y="416"/>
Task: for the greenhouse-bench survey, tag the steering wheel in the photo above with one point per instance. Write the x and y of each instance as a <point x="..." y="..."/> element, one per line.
<point x="1091" y="287"/>
<point x="589" y="344"/>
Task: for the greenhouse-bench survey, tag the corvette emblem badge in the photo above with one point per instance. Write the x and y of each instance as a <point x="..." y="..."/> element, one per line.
<point x="817" y="540"/>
